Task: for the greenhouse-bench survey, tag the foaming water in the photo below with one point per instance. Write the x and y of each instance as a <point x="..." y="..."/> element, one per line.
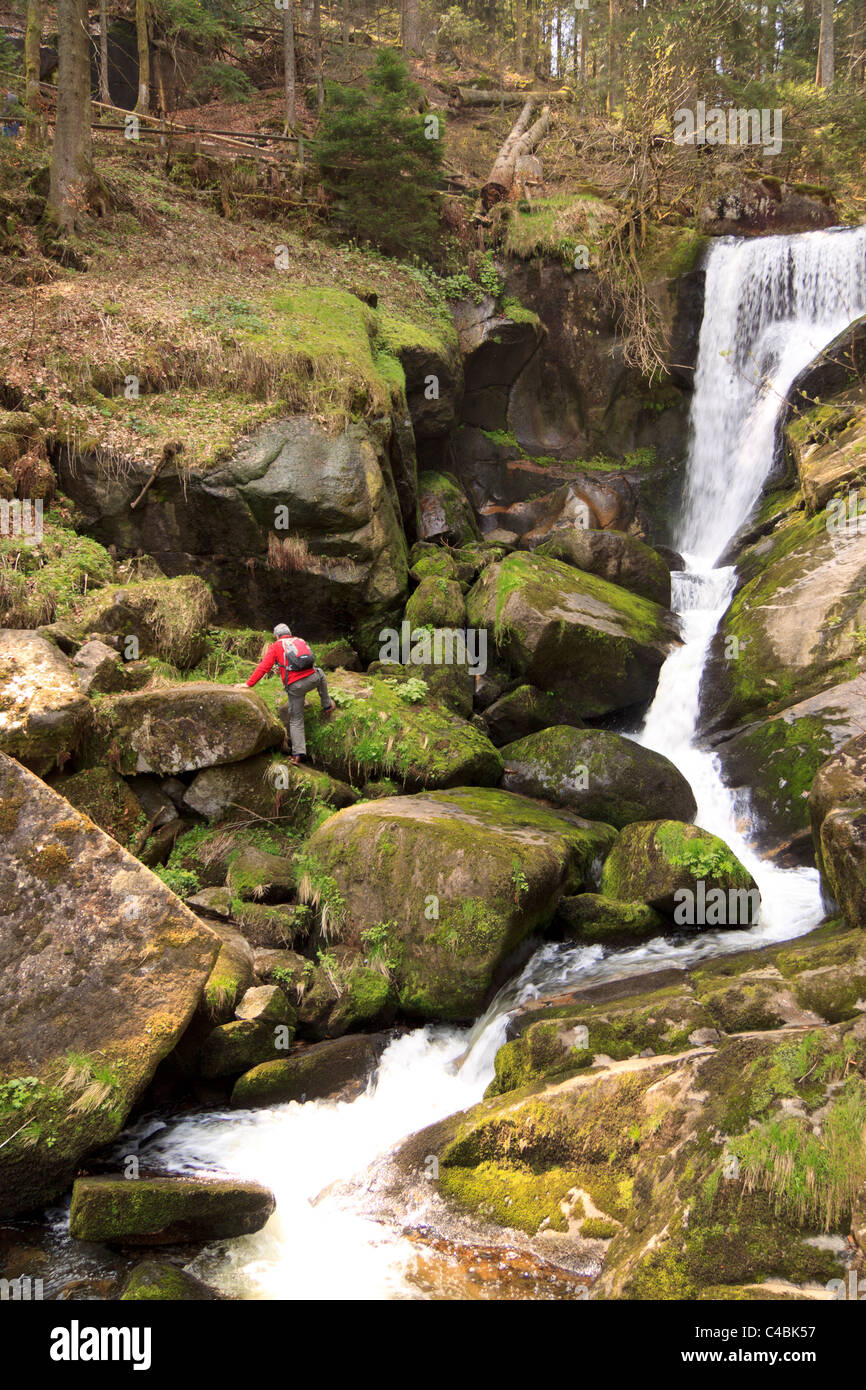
<point x="771" y="305"/>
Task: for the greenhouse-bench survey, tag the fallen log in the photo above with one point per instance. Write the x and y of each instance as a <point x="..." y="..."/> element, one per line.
<point x="521" y="141"/>
<point x="479" y="96"/>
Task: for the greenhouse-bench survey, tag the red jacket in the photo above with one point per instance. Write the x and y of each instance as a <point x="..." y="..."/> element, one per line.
<point x="273" y="655"/>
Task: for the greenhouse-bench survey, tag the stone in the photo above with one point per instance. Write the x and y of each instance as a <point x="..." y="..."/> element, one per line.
<point x="166" y="1210"/>
<point x="339" y="1068"/>
<point x="187" y="727"/>
<point x="599" y="774"/>
<point x="44" y="714"/>
<point x="101" y="970"/>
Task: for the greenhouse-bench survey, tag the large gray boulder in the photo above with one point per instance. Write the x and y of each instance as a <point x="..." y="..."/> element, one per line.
<point x="101" y="969"/>
<point x="44" y="714"/>
<point x="185" y="727"/>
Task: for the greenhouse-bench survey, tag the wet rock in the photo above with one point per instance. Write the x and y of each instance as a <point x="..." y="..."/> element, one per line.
<point x="156" y="1281"/>
<point x="590" y="917"/>
<point x="167" y="1211"/>
<point x="598" y="774"/>
<point x="339" y="1068"/>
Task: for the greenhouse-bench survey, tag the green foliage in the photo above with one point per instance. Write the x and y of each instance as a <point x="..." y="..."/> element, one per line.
<point x="182" y="882"/>
<point x="377" y="164"/>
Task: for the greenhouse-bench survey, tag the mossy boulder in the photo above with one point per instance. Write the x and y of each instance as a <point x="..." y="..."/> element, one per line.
<point x="598" y="774"/>
<point x="233" y="1048"/>
<point x="656" y="862"/>
<point x="346" y="989"/>
<point x="437" y="602"/>
<point x="154" y="1281"/>
<point x="168" y="617"/>
<point x="843" y="855"/>
<point x="186" y="727"/>
<point x="381" y="729"/>
<point x="526" y="710"/>
<point x="445" y="510"/>
<point x="700" y="1159"/>
<point x="339" y="1067"/>
<point x="265" y="1004"/>
<point x="101" y="971"/>
<point x="257" y="875"/>
<point x="617" y="557"/>
<point x="592" y="917"/>
<point x="268" y="787"/>
<point x="166" y="1211"/>
<point x="231" y="976"/>
<point x="572" y="633"/>
<point x="443" y="886"/>
<point x="44" y="714"/>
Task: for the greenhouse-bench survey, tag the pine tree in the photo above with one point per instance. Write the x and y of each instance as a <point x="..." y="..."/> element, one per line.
<point x="379" y="161"/>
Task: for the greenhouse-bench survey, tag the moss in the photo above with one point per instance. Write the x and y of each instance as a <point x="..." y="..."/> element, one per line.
<point x="514" y="1197"/>
<point x="555" y="226"/>
<point x="596" y="1228"/>
<point x="40" y="583"/>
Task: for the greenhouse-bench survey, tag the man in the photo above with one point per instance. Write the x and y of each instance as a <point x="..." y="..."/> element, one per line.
<point x="294" y="661"/>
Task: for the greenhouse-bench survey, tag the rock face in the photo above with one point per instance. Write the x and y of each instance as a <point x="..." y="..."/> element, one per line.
<point x="101" y="969"/>
<point x="343" y="509"/>
<point x="444" y="510"/>
<point x="757" y="207"/>
<point x="188" y="727"/>
<point x="442" y="887"/>
<point x="653" y="861"/>
<point x="598" y="774"/>
<point x="570" y="632"/>
<point x="44" y="713"/>
<point x="784" y="687"/>
<point x="837" y="804"/>
<point x="167" y="1211"/>
<point x="495" y="351"/>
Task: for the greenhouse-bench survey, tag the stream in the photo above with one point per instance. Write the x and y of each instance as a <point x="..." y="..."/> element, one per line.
<point x="771" y="305"/>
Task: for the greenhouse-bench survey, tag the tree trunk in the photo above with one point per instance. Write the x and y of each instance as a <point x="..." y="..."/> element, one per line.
<point x="583" y="48"/>
<point x="611" y="86"/>
<point x="519" y="20"/>
<point x="411" y="26"/>
<point x="34" y="127"/>
<point x="71" y="169"/>
<point x="317" y="53"/>
<point x="521" y="140"/>
<point x="104" y="89"/>
<point x="143" y="104"/>
<point x="346" y="24"/>
<point x="289" y="61"/>
<point x="826" y="48"/>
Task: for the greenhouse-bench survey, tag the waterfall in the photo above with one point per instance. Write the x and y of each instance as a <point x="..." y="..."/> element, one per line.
<point x="771" y="305"/>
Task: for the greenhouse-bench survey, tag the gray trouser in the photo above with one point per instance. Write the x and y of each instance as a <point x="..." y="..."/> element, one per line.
<point x="297" y="693"/>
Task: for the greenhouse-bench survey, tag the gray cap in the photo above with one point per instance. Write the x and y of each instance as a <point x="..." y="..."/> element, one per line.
<point x="281" y="630"/>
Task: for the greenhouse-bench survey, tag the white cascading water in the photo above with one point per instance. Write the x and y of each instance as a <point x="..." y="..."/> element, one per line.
<point x="771" y="305"/>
